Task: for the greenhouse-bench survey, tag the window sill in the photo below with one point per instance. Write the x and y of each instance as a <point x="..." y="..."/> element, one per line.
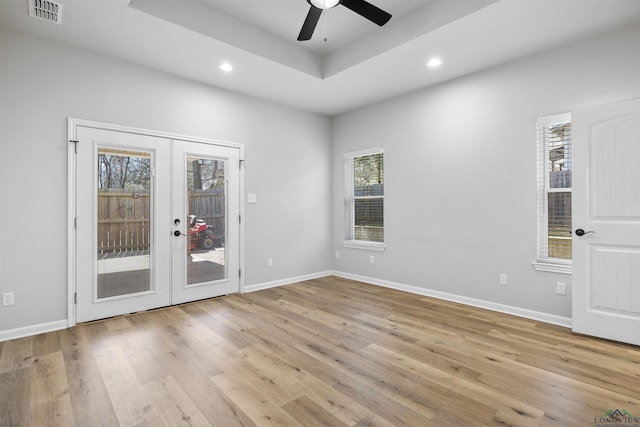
<point x="370" y="246"/>
<point x="553" y="267"/>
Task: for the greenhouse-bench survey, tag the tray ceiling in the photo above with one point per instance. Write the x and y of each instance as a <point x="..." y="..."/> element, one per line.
<point x="360" y="63"/>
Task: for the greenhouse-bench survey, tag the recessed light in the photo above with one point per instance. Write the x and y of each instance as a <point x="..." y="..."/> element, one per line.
<point x="226" y="67"/>
<point x="434" y="63"/>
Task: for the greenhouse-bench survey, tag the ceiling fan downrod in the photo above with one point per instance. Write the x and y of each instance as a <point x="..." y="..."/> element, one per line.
<point x="325" y="21"/>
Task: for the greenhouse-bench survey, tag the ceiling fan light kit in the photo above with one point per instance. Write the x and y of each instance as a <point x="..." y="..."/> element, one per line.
<point x="361" y="7"/>
<point x="324" y="4"/>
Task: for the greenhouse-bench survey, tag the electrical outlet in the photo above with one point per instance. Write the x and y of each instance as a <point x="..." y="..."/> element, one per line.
<point x="270" y="262"/>
<point x="371" y="260"/>
<point x="8" y="299"/>
<point x="503" y="279"/>
<point x="561" y="288"/>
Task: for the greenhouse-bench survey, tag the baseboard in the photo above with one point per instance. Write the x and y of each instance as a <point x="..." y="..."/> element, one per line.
<point x="488" y="305"/>
<point x="288" y="281"/>
<point x="516" y="311"/>
<point x="27" y="331"/>
<point x="62" y="324"/>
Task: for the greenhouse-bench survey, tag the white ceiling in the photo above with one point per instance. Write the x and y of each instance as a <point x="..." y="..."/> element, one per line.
<point x="284" y="19"/>
<point x="360" y="63"/>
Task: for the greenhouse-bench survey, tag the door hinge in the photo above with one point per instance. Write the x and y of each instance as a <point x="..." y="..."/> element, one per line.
<point x="239" y="219"/>
<point x="75" y="297"/>
<point x="239" y="274"/>
<point x="241" y="163"/>
<point x="75" y="145"/>
<point x="75" y="222"/>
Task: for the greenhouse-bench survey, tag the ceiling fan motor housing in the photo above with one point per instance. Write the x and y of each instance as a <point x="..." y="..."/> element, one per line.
<point x="324" y="4"/>
<point x="361" y="7"/>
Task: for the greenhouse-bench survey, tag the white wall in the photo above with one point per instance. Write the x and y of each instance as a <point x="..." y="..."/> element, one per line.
<point x="460" y="171"/>
<point x="459" y="163"/>
<point x="42" y="83"/>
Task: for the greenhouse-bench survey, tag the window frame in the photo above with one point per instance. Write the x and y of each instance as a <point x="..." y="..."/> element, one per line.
<point x="349" y="202"/>
<point x="543" y="261"/>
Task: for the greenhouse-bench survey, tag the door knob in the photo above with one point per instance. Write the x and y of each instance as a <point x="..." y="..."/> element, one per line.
<point x="581" y="232"/>
<point x="178" y="233"/>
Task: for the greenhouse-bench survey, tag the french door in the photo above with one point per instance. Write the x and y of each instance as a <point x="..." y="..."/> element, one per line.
<point x="157" y="221"/>
<point x="606" y="217"/>
<point x="204" y="217"/>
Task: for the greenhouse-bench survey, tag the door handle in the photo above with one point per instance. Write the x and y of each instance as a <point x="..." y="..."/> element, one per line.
<point x="581" y="232"/>
<point x="178" y="233"/>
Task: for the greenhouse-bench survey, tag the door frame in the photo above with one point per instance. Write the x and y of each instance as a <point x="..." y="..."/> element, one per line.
<point x="72" y="125"/>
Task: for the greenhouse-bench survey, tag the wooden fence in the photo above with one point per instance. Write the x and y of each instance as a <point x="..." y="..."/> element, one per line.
<point x="124" y="218"/>
<point x="210" y="207"/>
<point x="123" y="221"/>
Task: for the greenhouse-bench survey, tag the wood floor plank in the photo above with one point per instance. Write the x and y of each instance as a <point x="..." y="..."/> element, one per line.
<point x="15" y="397"/>
<point x="16" y="354"/>
<point x="130" y="402"/>
<point x="309" y="414"/>
<point x="49" y="401"/>
<point x="509" y="409"/>
<point x="327" y="351"/>
<point x="89" y="398"/>
<point x="43" y="344"/>
<point x="239" y="337"/>
<point x="343" y="407"/>
<point x="118" y="323"/>
<point x="175" y="407"/>
<point x="368" y="385"/>
<point x="218" y="409"/>
<point x="273" y="383"/>
<point x="191" y="370"/>
<point x="260" y="409"/>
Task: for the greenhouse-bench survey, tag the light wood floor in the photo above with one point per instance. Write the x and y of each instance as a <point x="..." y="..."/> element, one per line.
<point x="326" y="352"/>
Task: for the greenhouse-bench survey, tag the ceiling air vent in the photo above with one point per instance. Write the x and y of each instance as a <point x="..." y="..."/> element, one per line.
<point x="47" y="10"/>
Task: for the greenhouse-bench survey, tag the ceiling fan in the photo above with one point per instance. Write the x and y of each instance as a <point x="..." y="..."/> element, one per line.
<point x="361" y="7"/>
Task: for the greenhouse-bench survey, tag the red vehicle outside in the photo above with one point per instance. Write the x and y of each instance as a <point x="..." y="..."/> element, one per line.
<point x="200" y="234"/>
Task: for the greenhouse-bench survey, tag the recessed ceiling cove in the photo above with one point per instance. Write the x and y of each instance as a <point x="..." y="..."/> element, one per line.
<point x="360" y="63"/>
<point x="270" y="29"/>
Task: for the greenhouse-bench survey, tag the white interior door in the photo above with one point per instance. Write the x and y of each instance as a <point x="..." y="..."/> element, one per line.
<point x="606" y="218"/>
<point x="206" y="221"/>
<point x="157" y="222"/>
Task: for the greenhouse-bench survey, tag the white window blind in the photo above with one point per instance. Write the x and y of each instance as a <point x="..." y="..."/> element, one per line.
<point x="554" y="192"/>
<point x="364" y="198"/>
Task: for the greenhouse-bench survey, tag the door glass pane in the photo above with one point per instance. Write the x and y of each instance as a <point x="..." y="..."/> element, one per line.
<point x="124" y="222"/>
<point x="206" y="216"/>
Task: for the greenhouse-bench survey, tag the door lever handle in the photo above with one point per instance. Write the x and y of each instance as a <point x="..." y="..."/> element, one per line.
<point x="581" y="232"/>
<point x="178" y="233"/>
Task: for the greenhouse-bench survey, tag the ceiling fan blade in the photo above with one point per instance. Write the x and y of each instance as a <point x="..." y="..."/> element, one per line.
<point x="310" y="23"/>
<point x="367" y="10"/>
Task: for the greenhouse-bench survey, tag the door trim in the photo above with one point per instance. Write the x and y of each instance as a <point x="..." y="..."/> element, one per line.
<point x="72" y="125"/>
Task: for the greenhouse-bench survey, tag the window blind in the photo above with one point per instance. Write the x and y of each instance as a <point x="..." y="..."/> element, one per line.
<point x="364" y="196"/>
<point x="554" y="188"/>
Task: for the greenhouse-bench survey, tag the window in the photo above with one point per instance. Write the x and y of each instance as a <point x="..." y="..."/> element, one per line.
<point x="554" y="193"/>
<point x="364" y="199"/>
